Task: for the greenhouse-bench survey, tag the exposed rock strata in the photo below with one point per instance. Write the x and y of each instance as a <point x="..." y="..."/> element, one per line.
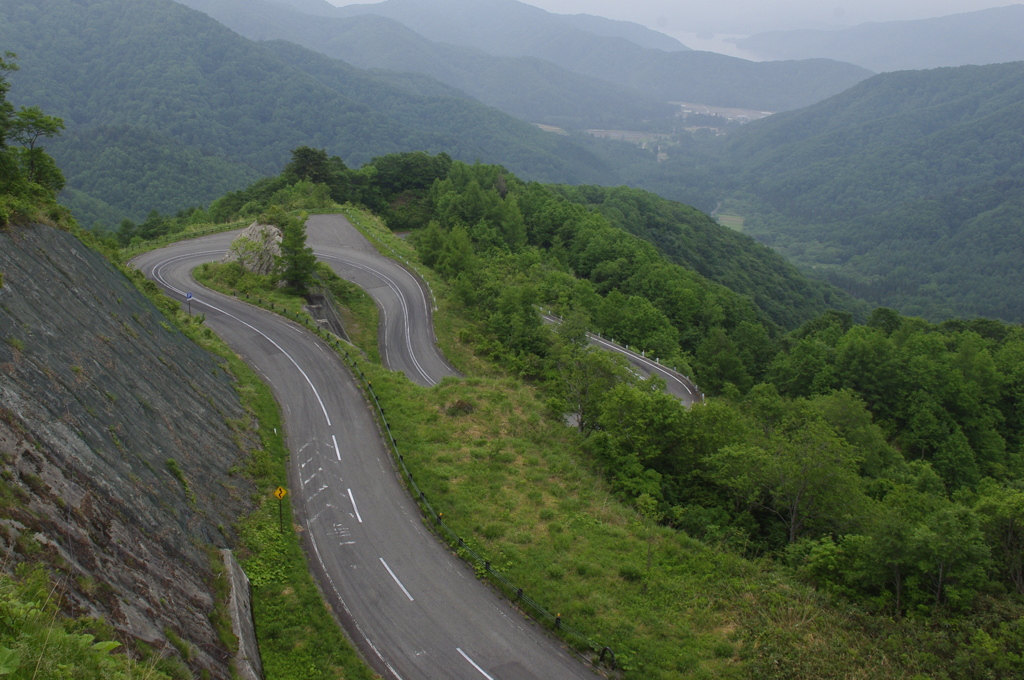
<point x="118" y="437"/>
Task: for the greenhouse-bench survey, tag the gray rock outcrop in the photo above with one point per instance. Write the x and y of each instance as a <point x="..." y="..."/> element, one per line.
<point x="256" y="248"/>
<point x="119" y="441"/>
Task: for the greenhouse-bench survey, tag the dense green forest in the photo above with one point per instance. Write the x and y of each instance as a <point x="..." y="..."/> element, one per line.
<point x="880" y="462"/>
<point x="904" y="190"/>
<point x="877" y="462"/>
<point x="29" y="178"/>
<point x="636" y="227"/>
<point x="201" y="98"/>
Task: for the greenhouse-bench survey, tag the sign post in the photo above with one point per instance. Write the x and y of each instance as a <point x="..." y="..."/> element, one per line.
<point x="279" y="494"/>
<point x="188" y="296"/>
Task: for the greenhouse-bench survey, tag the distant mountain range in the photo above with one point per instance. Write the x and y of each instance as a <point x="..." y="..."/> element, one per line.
<point x="475" y="34"/>
<point x="905" y="189"/>
<point x="989" y="36"/>
<point x="526" y="87"/>
<point x="508" y="27"/>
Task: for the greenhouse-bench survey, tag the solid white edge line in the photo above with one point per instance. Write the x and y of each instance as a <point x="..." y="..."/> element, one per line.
<point x="390" y="283"/>
<point x="159" y="276"/>
<point x="311" y="535"/>
<point x="399" y="582"/>
<point x="336" y="449"/>
<point x="473" y="663"/>
<point x="351" y="498"/>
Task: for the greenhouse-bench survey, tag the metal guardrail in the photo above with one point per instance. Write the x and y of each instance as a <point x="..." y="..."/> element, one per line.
<point x="640" y="353"/>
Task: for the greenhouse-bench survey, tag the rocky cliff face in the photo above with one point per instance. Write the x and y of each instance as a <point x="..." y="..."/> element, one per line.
<point x="118" y="437"/>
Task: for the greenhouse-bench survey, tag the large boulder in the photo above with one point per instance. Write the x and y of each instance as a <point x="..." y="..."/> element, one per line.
<point x="256" y="248"/>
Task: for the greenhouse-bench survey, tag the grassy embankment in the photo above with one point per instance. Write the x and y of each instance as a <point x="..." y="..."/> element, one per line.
<point x="514" y="483"/>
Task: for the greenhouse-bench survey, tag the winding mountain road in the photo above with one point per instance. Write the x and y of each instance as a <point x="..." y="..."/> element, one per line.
<point x="676" y="384"/>
<point x="414" y="609"/>
<point x="407" y="341"/>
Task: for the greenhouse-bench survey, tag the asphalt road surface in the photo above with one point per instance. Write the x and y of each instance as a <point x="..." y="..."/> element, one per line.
<point x="414" y="609"/>
<point x="676" y="383"/>
<point x="407" y="339"/>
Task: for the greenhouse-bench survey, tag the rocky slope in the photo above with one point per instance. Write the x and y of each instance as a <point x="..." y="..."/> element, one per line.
<point x="118" y="441"/>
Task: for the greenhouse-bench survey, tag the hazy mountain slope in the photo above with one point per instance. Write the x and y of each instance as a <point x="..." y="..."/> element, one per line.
<point x="688" y="237"/>
<point x="527" y="88"/>
<point x="929" y="131"/>
<point x="176" y="74"/>
<point x="987" y="36"/>
<point x="600" y="26"/>
<point x="906" y="189"/>
<point x="507" y="27"/>
<point x="633" y="32"/>
<point x="510" y="28"/>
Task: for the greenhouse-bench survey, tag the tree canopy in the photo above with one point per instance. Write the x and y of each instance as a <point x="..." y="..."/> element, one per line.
<point x="29" y="178"/>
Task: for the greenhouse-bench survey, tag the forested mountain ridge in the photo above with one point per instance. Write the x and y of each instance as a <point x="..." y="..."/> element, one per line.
<point x="510" y="28"/>
<point x="910" y="123"/>
<point x="528" y="88"/>
<point x="905" y="190"/>
<point x="200" y="97"/>
<point x="988" y="36"/>
<point x="688" y="237"/>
